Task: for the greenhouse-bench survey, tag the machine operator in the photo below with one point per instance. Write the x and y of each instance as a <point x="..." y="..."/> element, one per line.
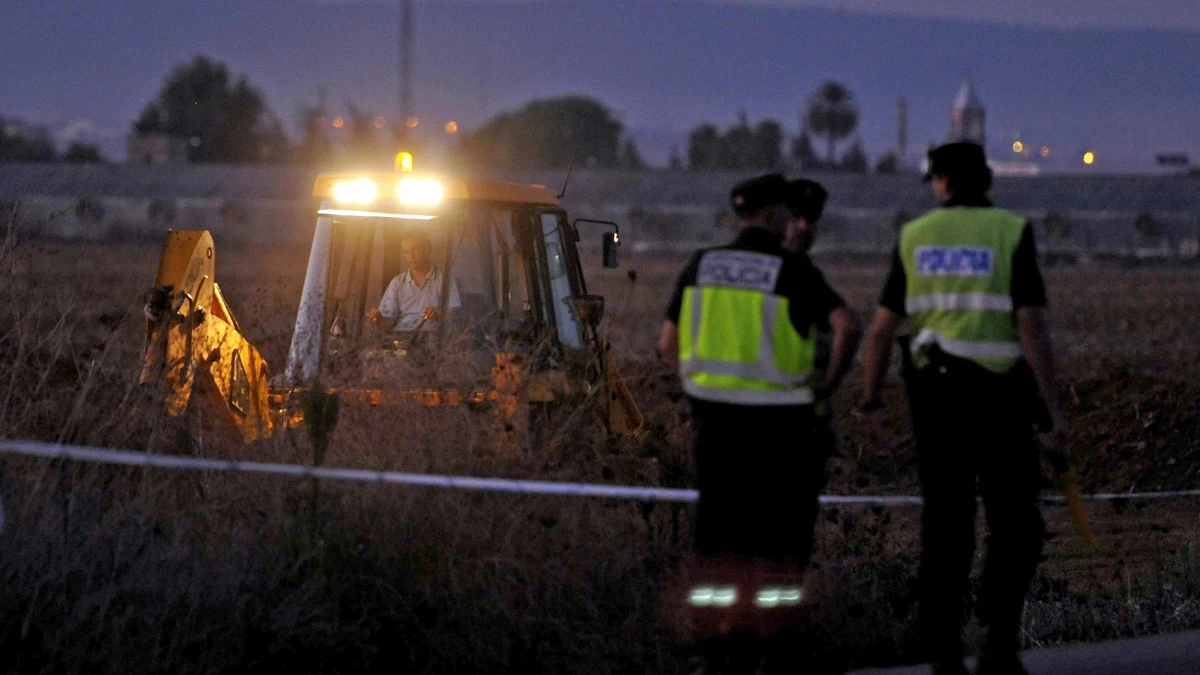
<point x="410" y="302"/>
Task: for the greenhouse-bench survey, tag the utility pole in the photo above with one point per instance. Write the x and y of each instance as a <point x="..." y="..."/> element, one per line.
<point x="406" y="93"/>
<point x="902" y="130"/>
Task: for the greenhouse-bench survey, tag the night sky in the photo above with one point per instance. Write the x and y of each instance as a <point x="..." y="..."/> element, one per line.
<point x="1116" y="76"/>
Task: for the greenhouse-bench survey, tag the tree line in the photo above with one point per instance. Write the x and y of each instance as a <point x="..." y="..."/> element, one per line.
<point x="222" y="118"/>
<point x="19" y="143"/>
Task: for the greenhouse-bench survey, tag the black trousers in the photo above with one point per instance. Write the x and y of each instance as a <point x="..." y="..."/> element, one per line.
<point x="974" y="436"/>
<point x="760" y="470"/>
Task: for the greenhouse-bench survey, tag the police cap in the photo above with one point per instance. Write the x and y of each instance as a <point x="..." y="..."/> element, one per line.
<point x="806" y="199"/>
<point x="957" y="160"/>
<point x="758" y="193"/>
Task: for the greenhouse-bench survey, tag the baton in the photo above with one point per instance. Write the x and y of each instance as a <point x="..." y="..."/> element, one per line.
<point x="1068" y="479"/>
<point x="1068" y="482"/>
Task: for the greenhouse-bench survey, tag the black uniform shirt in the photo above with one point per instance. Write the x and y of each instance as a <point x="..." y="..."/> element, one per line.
<point x="1028" y="289"/>
<point x="810" y="299"/>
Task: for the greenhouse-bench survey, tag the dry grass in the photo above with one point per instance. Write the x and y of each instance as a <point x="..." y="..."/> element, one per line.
<point x="107" y="569"/>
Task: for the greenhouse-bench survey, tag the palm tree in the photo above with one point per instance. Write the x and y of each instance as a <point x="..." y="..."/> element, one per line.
<point x="832" y="114"/>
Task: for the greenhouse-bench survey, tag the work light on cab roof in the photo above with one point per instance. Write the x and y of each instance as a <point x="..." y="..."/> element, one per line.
<point x="363" y="190"/>
<point x="357" y="191"/>
<point x="417" y="192"/>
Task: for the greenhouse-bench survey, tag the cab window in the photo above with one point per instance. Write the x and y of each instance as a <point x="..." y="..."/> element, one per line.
<point x="561" y="294"/>
<point x="510" y="252"/>
<point x="365" y="255"/>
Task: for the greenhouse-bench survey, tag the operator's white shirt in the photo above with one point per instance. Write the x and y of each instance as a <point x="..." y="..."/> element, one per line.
<point x="405" y="299"/>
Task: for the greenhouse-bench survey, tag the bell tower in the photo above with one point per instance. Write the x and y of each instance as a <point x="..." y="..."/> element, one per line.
<point x="967" y="116"/>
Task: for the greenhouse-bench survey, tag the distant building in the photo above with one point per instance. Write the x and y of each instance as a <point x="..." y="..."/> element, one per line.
<point x="967" y="116"/>
<point x="157" y="149"/>
<point x="1000" y="168"/>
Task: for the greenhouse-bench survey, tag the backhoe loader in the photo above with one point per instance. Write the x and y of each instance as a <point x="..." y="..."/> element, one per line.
<point x="520" y="335"/>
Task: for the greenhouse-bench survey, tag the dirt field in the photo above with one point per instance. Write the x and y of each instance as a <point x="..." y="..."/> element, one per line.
<point x="122" y="569"/>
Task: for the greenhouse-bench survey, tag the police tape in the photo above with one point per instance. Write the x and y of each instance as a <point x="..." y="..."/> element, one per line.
<point x="646" y="494"/>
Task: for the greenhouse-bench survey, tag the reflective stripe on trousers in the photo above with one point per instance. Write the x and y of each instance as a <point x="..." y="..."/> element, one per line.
<point x="980" y="302"/>
<point x="798" y="396"/>
<point x="967" y="349"/>
<point x="763" y="370"/>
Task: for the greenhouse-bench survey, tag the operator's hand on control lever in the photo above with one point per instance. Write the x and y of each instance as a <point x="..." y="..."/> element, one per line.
<point x="432" y="314"/>
<point x="380" y="323"/>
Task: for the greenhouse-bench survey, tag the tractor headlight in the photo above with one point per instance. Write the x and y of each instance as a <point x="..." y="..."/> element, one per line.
<point x="415" y="192"/>
<point x="359" y="191"/>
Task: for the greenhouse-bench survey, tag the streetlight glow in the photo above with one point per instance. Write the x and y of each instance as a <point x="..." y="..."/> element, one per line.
<point x="1018" y="147"/>
<point x="1089" y="157"/>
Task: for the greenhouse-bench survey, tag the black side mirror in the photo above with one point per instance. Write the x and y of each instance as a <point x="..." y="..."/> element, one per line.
<point x="611" y="245"/>
<point x="611" y="240"/>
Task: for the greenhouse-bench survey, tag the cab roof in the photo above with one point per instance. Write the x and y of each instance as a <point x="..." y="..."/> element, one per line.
<point x="465" y="189"/>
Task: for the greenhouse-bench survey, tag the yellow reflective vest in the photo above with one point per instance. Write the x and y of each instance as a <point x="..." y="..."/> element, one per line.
<point x="737" y="343"/>
<point x="958" y="267"/>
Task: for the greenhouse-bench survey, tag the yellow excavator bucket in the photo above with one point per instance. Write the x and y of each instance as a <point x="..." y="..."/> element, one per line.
<point x="195" y="351"/>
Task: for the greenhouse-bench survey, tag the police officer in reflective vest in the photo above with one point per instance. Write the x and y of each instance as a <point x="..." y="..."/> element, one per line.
<point x="741" y="327"/>
<point x="806" y="202"/>
<point x="965" y="275"/>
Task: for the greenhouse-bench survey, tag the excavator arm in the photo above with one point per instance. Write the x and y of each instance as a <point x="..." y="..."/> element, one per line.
<point x="621" y="413"/>
<point x="618" y="410"/>
<point x="196" y="355"/>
